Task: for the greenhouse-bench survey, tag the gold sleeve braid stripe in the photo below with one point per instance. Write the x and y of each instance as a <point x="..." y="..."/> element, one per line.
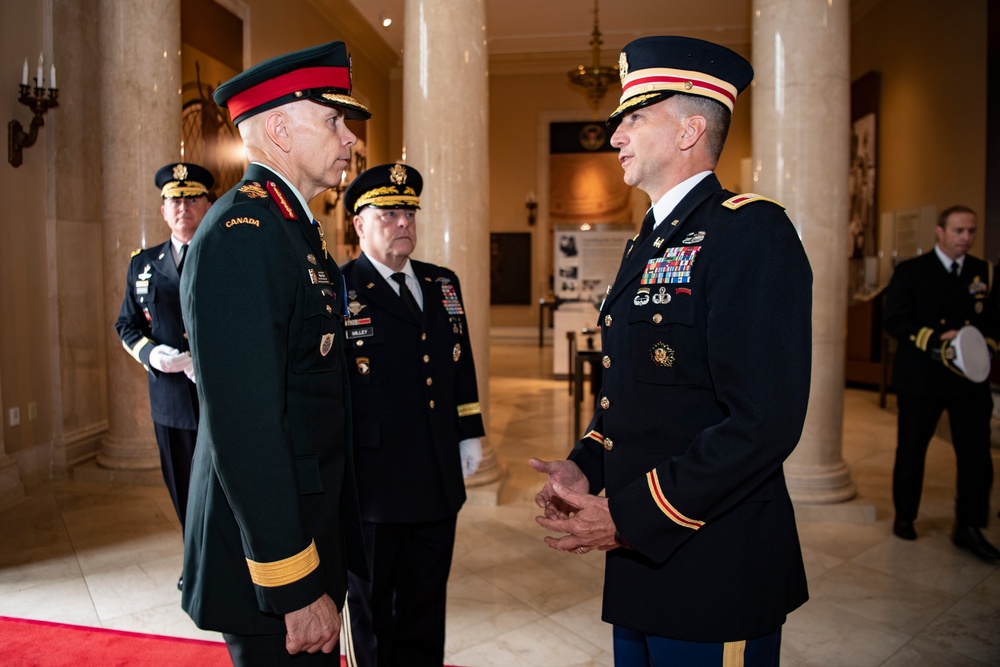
<point x="923" y="337"/>
<point x="594" y="435"/>
<point x="661" y="501"/>
<point x="134" y="351"/>
<point x="469" y="409"/>
<point x="285" y="571"/>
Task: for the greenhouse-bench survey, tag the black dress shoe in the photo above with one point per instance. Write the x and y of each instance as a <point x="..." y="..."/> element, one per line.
<point x="904" y="529"/>
<point x="971" y="539"/>
<point x="180" y="583"/>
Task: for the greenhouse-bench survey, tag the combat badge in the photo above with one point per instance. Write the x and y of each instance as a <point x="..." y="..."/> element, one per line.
<point x="456" y="352"/>
<point x="145" y="273"/>
<point x="326" y="344"/>
<point x="693" y="237"/>
<point x="641" y="297"/>
<point x="363" y="367"/>
<point x="662" y="355"/>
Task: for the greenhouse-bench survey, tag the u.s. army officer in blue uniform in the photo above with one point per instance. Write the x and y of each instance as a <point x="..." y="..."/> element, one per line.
<point x="152" y="330"/>
<point x="417" y="424"/>
<point x="273" y="519"/>
<point x="706" y="337"/>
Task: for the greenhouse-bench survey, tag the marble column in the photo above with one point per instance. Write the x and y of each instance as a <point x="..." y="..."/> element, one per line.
<point x="801" y="129"/>
<point x="140" y="82"/>
<point x="445" y="130"/>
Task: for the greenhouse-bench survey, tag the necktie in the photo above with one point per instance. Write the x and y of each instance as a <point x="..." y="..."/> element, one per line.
<point x="954" y="269"/>
<point x="647" y="227"/>
<point x="406" y="295"/>
<point x="180" y="260"/>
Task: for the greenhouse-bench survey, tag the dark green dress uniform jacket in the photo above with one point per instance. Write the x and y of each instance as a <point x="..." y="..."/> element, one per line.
<point x="272" y="518"/>
<point x="151" y="315"/>
<point x="414" y="394"/>
<point x="922" y="302"/>
<point x="706" y="334"/>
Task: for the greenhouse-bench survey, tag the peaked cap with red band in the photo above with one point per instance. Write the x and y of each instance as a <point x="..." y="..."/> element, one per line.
<point x="321" y="74"/>
<point x="654" y="68"/>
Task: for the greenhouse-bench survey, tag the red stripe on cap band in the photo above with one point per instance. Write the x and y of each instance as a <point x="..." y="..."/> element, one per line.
<point x="300" y="79"/>
<point x="644" y="81"/>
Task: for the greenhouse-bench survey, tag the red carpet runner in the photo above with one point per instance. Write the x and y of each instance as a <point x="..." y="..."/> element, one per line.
<point x="26" y="643"/>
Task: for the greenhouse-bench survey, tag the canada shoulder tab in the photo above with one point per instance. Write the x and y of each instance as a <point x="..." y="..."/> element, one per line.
<point x="737" y="201"/>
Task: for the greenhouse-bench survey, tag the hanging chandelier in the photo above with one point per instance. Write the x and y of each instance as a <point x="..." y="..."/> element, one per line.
<point x="594" y="79"/>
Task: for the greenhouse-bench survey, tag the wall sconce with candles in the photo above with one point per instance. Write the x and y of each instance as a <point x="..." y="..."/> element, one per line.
<point x="531" y="204"/>
<point x="39" y="101"/>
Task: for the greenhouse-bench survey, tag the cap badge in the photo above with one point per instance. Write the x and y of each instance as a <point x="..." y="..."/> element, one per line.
<point x="662" y="355"/>
<point x="180" y="172"/>
<point x="397" y="174"/>
<point x="622" y="66"/>
<point x="253" y="190"/>
<point x="326" y="344"/>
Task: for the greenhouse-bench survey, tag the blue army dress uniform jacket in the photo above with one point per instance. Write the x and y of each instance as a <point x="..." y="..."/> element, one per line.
<point x="706" y="337"/>
<point x="273" y="519"/>
<point x="922" y="302"/>
<point x="414" y="393"/>
<point x="151" y="315"/>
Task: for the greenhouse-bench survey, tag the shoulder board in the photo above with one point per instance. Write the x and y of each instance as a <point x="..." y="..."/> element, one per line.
<point x="736" y="202"/>
<point x="135" y="252"/>
<point x="250" y="190"/>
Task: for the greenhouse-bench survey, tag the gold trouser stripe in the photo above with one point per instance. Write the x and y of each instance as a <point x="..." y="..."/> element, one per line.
<point x="285" y="571"/>
<point x="346" y="638"/>
<point x="469" y="409"/>
<point x="732" y="653"/>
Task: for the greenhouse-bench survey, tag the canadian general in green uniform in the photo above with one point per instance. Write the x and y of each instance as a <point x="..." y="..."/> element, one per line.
<point x="273" y="521"/>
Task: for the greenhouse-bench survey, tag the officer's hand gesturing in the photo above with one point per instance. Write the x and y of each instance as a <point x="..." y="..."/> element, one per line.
<point x="590" y="527"/>
<point x="566" y="473"/>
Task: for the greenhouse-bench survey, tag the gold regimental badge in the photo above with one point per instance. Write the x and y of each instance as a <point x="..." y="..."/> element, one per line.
<point x="326" y="344"/>
<point x="180" y="172"/>
<point x="662" y="355"/>
<point x="457" y="352"/>
<point x="253" y="190"/>
<point x="622" y="67"/>
<point x="397" y="174"/>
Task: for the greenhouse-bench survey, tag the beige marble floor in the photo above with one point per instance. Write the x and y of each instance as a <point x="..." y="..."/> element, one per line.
<point x="108" y="556"/>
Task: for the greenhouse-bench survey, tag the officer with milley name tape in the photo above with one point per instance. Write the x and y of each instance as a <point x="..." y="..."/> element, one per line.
<point x="273" y="522"/>
<point x="417" y="424"/>
<point x="706" y="335"/>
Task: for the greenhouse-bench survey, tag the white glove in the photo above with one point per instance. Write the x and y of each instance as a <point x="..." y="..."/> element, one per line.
<point x="471" y="453"/>
<point x="189" y="371"/>
<point x="168" y="360"/>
